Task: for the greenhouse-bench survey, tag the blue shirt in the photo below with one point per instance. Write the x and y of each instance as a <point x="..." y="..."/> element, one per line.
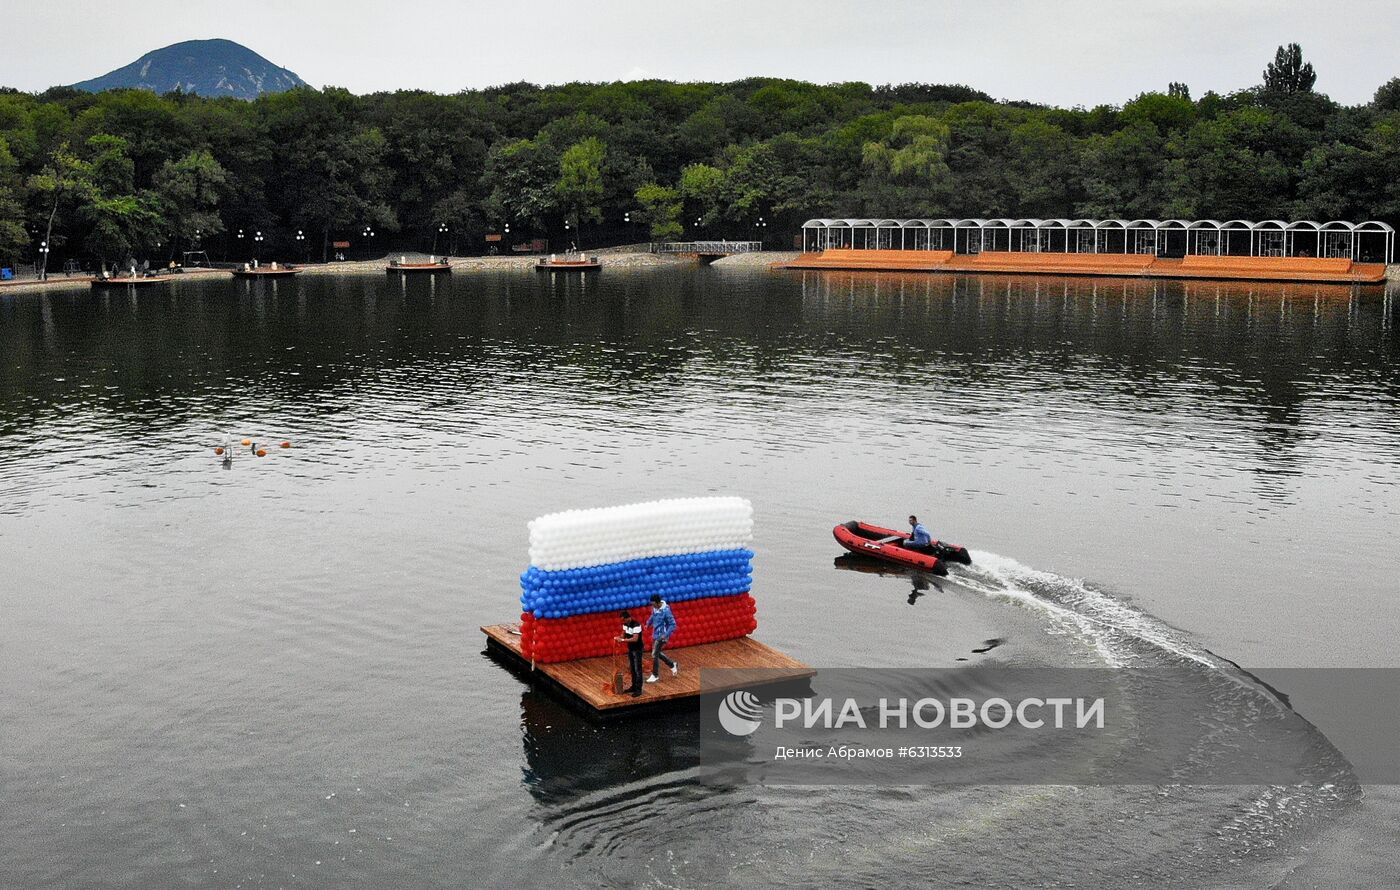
<point x="920" y="536"/>
<point x="662" y="622"/>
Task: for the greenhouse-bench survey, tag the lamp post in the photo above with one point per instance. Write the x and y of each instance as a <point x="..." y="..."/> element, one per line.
<point x="240" y="244"/>
<point x="301" y="244"/>
<point x="368" y="234"/>
<point x="441" y="230"/>
<point x="760" y="226"/>
<point x="44" y="267"/>
<point x="257" y="246"/>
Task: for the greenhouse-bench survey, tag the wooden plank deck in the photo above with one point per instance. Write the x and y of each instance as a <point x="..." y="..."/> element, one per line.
<point x="1222" y="268"/>
<point x="589" y="680"/>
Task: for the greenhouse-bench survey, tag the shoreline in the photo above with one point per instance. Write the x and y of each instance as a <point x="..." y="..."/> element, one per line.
<point x="627" y="257"/>
<point x="612" y="258"/>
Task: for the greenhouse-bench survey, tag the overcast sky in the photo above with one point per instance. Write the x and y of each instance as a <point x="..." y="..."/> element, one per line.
<point x="1067" y="52"/>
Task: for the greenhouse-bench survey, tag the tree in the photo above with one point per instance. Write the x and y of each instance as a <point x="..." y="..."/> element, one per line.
<point x="1166" y="112"/>
<point x="1383" y="144"/>
<point x="580" y="183"/>
<point x="326" y="170"/>
<point x="1042" y="169"/>
<point x="661" y="211"/>
<point x="519" y="180"/>
<point x="915" y="152"/>
<point x="460" y="212"/>
<point x="703" y="186"/>
<point x="190" y="190"/>
<point x="1230" y="167"/>
<point x="1288" y="73"/>
<point x="122" y="219"/>
<point x="1178" y="90"/>
<point x="435" y="152"/>
<point x="1335" y="182"/>
<point x="908" y="166"/>
<point x="1122" y="173"/>
<point x="64" y="178"/>
<point x="1387" y="96"/>
<point x="12" y="235"/>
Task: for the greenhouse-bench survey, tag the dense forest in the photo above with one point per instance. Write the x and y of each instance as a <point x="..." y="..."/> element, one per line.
<point x="128" y="174"/>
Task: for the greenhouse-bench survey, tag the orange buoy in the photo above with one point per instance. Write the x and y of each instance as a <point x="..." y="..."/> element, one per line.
<point x="285" y="445"/>
<point x="262" y="453"/>
<point x="247" y="442"/>
<point x="218" y="449"/>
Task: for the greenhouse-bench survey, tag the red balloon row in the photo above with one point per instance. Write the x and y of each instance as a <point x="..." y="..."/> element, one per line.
<point x="706" y="620"/>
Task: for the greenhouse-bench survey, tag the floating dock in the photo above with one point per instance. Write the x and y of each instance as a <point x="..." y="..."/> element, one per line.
<point x="128" y="282"/>
<point x="434" y="268"/>
<point x="588" y="682"/>
<point x="1128" y="265"/>
<point x="588" y="264"/>
<point x="266" y="272"/>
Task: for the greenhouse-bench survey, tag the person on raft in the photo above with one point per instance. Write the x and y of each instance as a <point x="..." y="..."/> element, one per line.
<point x="663" y="624"/>
<point x="919" y="538"/>
<point x="636" y="647"/>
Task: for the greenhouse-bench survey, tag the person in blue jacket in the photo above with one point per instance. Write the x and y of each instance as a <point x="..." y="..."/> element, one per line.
<point x="919" y="538"/>
<point x="663" y="624"/>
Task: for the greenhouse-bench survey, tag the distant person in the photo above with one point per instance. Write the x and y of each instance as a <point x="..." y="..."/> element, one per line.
<point x="636" y="647"/>
<point x="663" y="624"/>
<point x="919" y="538"/>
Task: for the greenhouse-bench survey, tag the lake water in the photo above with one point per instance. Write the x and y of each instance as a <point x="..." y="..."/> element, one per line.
<point x="271" y="675"/>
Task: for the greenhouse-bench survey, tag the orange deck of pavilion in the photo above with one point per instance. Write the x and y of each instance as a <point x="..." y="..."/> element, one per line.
<point x="588" y="681"/>
<point x="1220" y="268"/>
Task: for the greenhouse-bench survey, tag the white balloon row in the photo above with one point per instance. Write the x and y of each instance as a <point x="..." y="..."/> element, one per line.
<point x="594" y="549"/>
<point x="637" y="531"/>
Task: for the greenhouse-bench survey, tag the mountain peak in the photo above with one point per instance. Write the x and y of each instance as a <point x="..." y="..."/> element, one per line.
<point x="214" y="67"/>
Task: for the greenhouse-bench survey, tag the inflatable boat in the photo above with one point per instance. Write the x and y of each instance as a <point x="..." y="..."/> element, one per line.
<point x="888" y="544"/>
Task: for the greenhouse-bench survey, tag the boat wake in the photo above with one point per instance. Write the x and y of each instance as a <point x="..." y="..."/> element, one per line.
<point x="1120" y="634"/>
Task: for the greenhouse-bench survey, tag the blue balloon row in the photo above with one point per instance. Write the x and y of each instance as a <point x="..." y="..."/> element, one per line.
<point x="632" y="568"/>
<point x="558" y="594"/>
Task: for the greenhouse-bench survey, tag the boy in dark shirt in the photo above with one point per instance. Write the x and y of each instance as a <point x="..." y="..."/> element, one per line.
<point x="632" y="636"/>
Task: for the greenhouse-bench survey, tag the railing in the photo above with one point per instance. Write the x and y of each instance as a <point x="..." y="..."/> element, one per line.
<point x="710" y="248"/>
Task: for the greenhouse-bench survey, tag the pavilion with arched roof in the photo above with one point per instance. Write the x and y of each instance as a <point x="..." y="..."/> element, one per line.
<point x="1371" y="241"/>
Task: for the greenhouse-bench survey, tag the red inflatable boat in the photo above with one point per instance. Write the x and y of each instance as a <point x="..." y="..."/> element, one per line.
<point x="888" y="544"/>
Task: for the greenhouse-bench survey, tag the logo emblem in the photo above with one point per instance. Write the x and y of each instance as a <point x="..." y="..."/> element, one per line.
<point x="740" y="713"/>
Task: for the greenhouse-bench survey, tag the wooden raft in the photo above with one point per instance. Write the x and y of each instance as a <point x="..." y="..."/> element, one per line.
<point x="589" y="680"/>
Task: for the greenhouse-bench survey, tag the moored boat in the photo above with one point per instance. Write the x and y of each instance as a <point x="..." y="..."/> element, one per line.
<point x="569" y="262"/>
<point x="404" y="266"/>
<point x="888" y="544"/>
<point x="128" y="281"/>
<point x="273" y="270"/>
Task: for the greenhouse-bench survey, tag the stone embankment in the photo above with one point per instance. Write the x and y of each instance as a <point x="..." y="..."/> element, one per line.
<point x="762" y="259"/>
<point x="628" y="257"/>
